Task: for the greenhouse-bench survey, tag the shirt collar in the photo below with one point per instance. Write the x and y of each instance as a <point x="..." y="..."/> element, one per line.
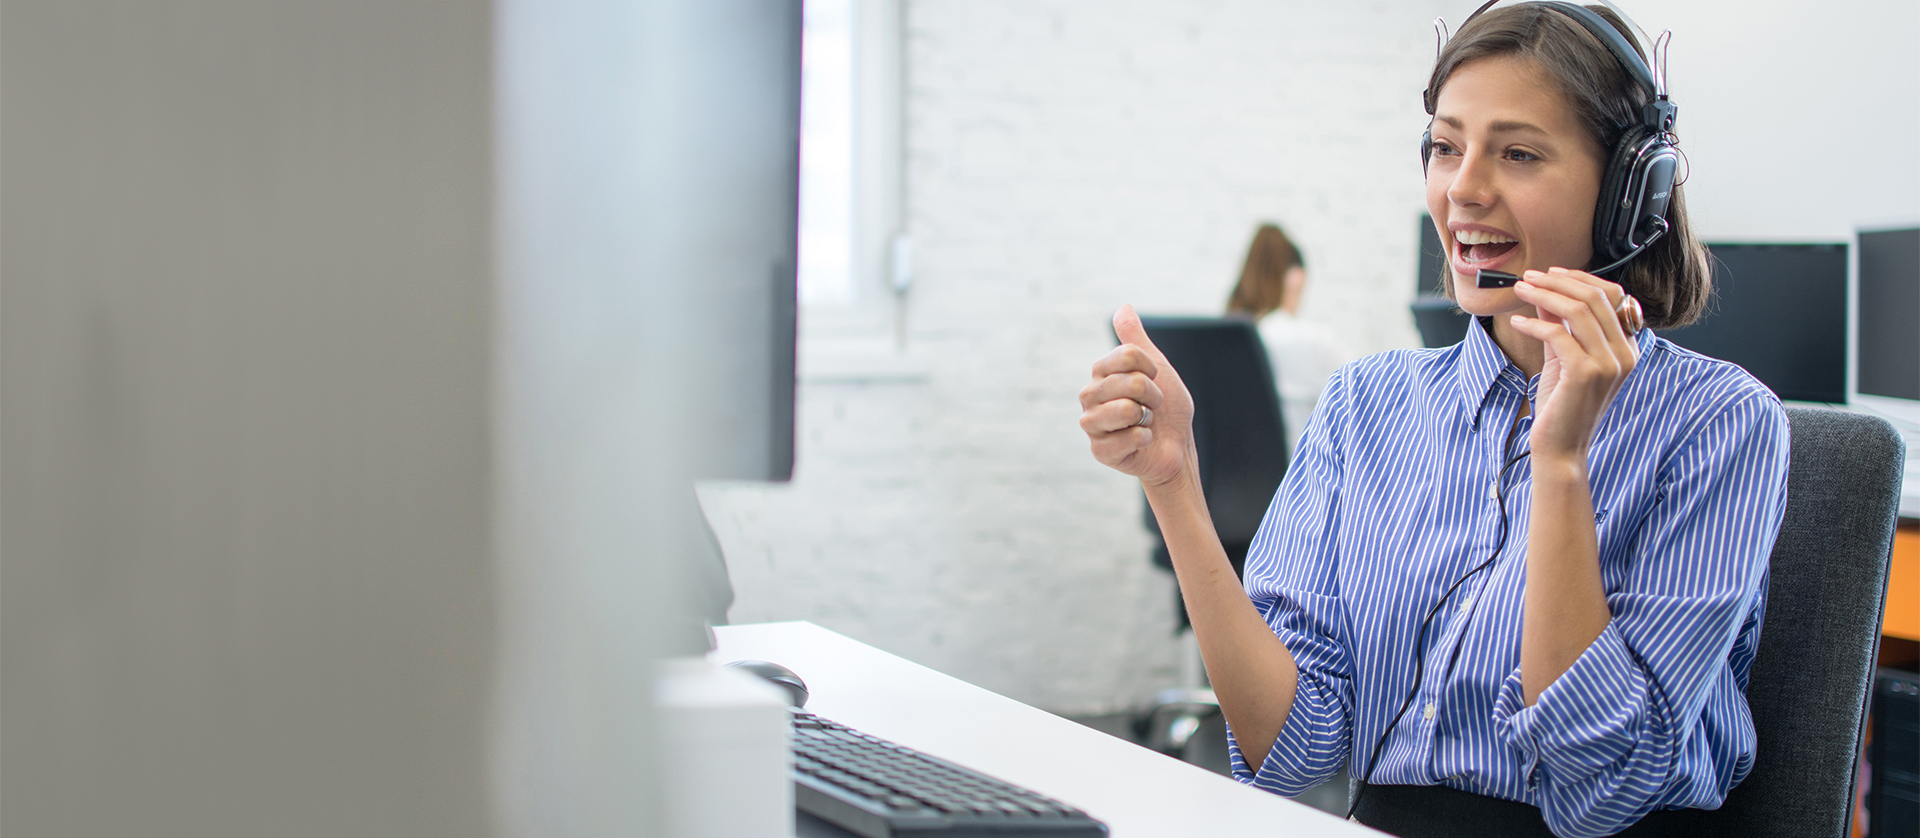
<point x="1477" y="369"/>
<point x="1481" y="366"/>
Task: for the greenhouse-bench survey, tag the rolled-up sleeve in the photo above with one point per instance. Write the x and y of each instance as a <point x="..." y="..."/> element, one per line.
<point x="1622" y="731"/>
<point x="1290" y="578"/>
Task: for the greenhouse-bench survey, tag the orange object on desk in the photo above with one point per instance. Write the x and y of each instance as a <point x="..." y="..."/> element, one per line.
<point x="1903" y="585"/>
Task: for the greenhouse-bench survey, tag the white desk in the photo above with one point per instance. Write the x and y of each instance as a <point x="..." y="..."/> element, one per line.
<point x="1137" y="792"/>
<point x="1904" y="415"/>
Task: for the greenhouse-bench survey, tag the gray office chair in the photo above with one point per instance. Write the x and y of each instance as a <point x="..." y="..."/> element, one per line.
<point x="1824" y="600"/>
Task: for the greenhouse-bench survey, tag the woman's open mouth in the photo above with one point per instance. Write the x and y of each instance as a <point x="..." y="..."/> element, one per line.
<point x="1478" y="248"/>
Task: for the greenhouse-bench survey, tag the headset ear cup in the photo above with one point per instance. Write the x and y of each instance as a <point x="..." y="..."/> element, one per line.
<point x="1613" y="218"/>
<point x="1426" y="149"/>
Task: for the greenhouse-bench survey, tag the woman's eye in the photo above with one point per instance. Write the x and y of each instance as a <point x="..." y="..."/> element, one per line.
<point x="1443" y="149"/>
<point x="1520" y="156"/>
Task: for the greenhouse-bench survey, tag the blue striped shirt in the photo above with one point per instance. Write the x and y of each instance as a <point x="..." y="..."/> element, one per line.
<point x="1390" y="500"/>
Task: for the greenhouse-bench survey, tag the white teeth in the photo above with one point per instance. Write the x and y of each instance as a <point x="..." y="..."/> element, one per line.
<point x="1477" y="237"/>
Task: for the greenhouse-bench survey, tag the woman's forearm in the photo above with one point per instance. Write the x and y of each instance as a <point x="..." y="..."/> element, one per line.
<point x="1252" y="672"/>
<point x="1566" y="605"/>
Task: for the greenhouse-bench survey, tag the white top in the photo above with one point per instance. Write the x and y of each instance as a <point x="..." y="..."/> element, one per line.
<point x="1303" y="354"/>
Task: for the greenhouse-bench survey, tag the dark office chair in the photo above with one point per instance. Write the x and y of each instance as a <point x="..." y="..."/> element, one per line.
<point x="1236" y="424"/>
<point x="1238" y="430"/>
<point x="1824" y="600"/>
<point x="1440" y="320"/>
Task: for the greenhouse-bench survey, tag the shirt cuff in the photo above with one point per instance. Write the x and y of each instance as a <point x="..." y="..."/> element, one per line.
<point x="1589" y="718"/>
<point x="1309" y="748"/>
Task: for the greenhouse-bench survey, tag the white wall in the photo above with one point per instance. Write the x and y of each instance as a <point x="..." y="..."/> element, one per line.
<point x="1067" y="157"/>
<point x="1800" y="119"/>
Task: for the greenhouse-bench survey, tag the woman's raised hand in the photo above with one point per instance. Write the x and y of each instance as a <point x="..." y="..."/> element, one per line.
<point x="1588" y="356"/>
<point x="1136" y="412"/>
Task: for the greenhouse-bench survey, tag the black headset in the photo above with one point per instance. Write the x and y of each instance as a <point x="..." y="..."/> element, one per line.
<point x="1637" y="185"/>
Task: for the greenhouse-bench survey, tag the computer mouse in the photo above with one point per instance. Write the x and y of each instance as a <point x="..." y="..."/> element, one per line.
<point x="780" y="676"/>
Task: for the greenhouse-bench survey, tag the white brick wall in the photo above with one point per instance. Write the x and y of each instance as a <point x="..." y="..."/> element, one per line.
<point x="1067" y="157"/>
<point x="1064" y="158"/>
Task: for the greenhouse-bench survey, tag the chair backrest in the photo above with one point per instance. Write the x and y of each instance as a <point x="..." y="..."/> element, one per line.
<point x="1236" y="424"/>
<point x="1440" y="320"/>
<point x="1825" y="594"/>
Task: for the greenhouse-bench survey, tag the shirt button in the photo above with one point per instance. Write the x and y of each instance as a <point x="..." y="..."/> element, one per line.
<point x="1493" y="490"/>
<point x="1428" y="711"/>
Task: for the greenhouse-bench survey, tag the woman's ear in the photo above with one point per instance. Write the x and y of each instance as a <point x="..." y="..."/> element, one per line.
<point x="1291" y="286"/>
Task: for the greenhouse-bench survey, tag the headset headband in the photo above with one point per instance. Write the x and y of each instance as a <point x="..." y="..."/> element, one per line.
<point x="1659" y="113"/>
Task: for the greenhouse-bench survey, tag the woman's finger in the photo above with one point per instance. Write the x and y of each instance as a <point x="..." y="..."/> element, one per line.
<point x="1132" y="385"/>
<point x="1126" y="358"/>
<point x="1557" y="339"/>
<point x="1576" y="312"/>
<point x="1131" y="332"/>
<point x="1612" y="289"/>
<point x="1115" y="447"/>
<point x="1606" y="307"/>
<point x="1587" y="310"/>
<point x="1115" y="415"/>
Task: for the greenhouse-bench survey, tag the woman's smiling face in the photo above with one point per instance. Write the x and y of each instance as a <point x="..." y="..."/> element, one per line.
<point x="1512" y="180"/>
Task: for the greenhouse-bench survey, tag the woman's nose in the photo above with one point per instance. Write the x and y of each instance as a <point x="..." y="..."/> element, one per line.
<point x="1472" y="184"/>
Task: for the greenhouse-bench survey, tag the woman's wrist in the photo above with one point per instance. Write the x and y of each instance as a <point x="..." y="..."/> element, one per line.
<point x="1187" y="477"/>
<point x="1182" y="489"/>
<point x="1558" y="468"/>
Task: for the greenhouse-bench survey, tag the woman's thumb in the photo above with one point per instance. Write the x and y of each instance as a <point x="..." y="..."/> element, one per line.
<point x="1127" y="327"/>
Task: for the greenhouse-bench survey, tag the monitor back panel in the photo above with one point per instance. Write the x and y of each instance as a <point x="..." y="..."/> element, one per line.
<point x="1780" y="311"/>
<point x="1890" y="313"/>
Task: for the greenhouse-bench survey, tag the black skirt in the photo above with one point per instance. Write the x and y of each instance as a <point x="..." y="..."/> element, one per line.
<point x="1441" y="812"/>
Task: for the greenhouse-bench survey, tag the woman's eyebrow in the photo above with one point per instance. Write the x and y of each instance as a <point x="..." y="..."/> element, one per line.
<point x="1504" y="126"/>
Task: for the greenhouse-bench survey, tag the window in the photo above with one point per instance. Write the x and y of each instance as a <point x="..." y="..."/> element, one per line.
<point x="853" y="270"/>
<point x="826" y="153"/>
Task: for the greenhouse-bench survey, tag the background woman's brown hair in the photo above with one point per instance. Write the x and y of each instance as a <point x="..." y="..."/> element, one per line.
<point x="1671" y="277"/>
<point x="1262" y="285"/>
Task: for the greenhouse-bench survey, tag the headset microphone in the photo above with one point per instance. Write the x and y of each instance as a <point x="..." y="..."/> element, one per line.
<point x="1502" y="279"/>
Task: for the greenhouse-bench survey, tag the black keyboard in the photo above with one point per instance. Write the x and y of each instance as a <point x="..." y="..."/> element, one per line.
<point x="875" y="788"/>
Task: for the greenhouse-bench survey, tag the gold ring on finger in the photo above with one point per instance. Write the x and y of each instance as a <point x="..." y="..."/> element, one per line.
<point x="1632" y="318"/>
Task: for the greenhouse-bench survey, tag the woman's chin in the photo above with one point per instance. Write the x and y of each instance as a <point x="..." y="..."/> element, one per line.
<point x="1486" y="302"/>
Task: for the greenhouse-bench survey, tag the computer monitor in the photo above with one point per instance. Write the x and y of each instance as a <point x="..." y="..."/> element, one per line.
<point x="1888" y="342"/>
<point x="1889" y="334"/>
<point x="1433" y="257"/>
<point x="723" y="255"/>
<point x="1440" y="322"/>
<point x="1780" y="311"/>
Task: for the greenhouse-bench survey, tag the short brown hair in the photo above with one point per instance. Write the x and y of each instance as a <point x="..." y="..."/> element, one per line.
<point x="1262" y="282"/>
<point x="1671" y="278"/>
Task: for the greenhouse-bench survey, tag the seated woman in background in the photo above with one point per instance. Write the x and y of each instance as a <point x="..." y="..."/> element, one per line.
<point x="1303" y="352"/>
<point x="1516" y="583"/>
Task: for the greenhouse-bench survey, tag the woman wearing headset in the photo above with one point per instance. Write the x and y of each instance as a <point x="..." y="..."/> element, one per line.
<point x="1517" y="582"/>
